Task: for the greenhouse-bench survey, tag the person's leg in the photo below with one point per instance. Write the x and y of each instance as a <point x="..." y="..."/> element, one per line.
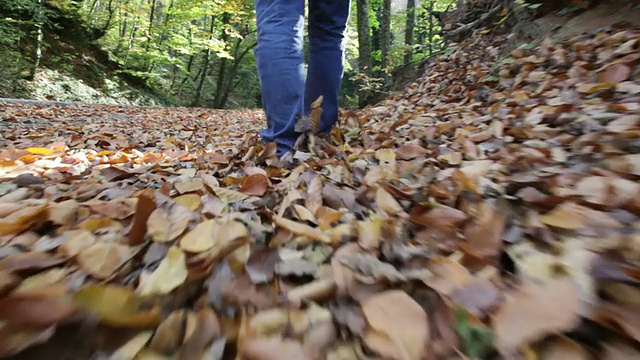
<point x="280" y="67"/>
<point x="327" y="23"/>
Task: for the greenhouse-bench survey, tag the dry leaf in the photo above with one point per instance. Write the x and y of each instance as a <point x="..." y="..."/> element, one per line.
<point x="166" y="225"/>
<point x="255" y="185"/>
<point x="397" y="325"/>
<point x="116" y="306"/>
<point x="170" y="274"/>
<point x="549" y="307"/>
<point x="101" y="260"/>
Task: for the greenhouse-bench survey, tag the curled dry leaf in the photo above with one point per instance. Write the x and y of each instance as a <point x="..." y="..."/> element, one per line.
<point x="302" y="229"/>
<point x="214" y="236"/>
<point x="398" y="327"/>
<point x="550" y="307"/>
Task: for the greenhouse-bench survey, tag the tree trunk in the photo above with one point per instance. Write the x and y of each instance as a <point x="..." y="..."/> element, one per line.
<point x="364" y="44"/>
<point x="152" y="13"/>
<point x="205" y="67"/>
<point x="39" y="36"/>
<point x="408" y="34"/>
<point x="385" y="38"/>
<point x="222" y="69"/>
<point x="431" y="27"/>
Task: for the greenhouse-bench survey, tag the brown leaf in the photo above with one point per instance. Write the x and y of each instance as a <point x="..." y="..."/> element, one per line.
<point x="485" y="235"/>
<point x="29" y="261"/>
<point x="397" y="325"/>
<point x="34" y="311"/>
<point x="477" y="296"/>
<point x="144" y="208"/>
<point x="255" y="185"/>
<point x="314" y="194"/>
<point x="8" y="282"/>
<point x="615" y="74"/>
<point x="627" y="164"/>
<point x="549" y="307"/>
<point x="63" y="213"/>
<point x="567" y="215"/>
<point x="114" y="174"/>
<point x="302" y="229"/>
<point x="410" y="152"/>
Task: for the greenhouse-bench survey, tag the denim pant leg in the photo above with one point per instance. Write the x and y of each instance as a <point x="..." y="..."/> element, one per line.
<point x="327" y="23"/>
<point x="279" y="61"/>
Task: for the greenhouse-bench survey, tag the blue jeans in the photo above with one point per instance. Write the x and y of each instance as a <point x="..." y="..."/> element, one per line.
<point x="287" y="89"/>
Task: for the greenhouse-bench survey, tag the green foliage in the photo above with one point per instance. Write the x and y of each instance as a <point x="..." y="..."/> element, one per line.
<point x="477" y="338"/>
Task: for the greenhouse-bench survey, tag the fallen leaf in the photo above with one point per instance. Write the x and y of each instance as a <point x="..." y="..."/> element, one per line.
<point x="302" y="229"/>
<point x="255" y="185"/>
<point x="129" y="350"/>
<point x="397" y="325"/>
<point x="101" y="260"/>
<point x="21" y="220"/>
<point x="170" y="274"/>
<point x="166" y="225"/>
<point x="34" y="311"/>
<point x="189" y="186"/>
<point x="190" y="201"/>
<point x="116" y="306"/>
<point x="549" y="307"/>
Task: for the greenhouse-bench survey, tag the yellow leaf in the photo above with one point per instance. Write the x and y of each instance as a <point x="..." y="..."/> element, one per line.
<point x="170" y="274"/>
<point x="190" y="201"/>
<point x="94" y="224"/>
<point x="387" y="203"/>
<point x="39" y="151"/>
<point x="20" y="220"/>
<point x="63" y="213"/>
<point x="200" y="238"/>
<point x="165" y="226"/>
<point x="102" y="259"/>
<point x="567" y="215"/>
<point x="79" y="240"/>
<point x="116" y="306"/>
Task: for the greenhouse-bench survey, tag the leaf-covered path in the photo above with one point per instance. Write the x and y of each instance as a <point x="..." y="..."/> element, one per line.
<point x="490" y="210"/>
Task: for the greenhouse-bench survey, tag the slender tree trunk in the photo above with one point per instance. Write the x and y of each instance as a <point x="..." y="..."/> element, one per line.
<point x="408" y="34"/>
<point x="39" y="37"/>
<point x="233" y="72"/>
<point x="111" y="12"/>
<point x="364" y="43"/>
<point x="385" y="38"/>
<point x="431" y="26"/>
<point x="222" y="69"/>
<point x="152" y="14"/>
<point x="205" y="67"/>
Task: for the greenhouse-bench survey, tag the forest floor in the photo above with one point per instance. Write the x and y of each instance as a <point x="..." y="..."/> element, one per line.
<point x="490" y="210"/>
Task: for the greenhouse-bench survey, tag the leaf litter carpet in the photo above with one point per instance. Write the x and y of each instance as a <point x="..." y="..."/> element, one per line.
<point x="488" y="211"/>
